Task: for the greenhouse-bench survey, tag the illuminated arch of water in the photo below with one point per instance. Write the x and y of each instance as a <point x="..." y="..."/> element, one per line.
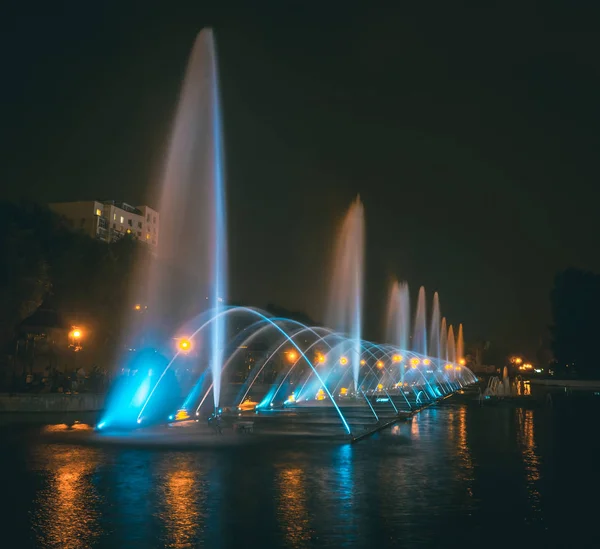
<point x="310" y="366"/>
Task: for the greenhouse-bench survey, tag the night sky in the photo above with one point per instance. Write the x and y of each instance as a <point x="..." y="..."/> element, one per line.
<point x="472" y="137"/>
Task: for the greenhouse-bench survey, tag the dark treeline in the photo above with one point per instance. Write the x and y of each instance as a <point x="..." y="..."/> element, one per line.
<point x="43" y="262"/>
<point x="575" y="301"/>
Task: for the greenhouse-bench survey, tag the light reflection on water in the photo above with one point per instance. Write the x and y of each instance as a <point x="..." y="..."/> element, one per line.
<point x="184" y="499"/>
<point x="292" y="512"/>
<point x="454" y="467"/>
<point x="531" y="459"/>
<point x="66" y="513"/>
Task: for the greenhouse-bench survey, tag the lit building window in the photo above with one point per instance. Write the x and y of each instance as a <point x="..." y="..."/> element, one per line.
<point x="98" y="211"/>
<point x="114" y="217"/>
<point x="147" y="236"/>
<point x="122" y="220"/>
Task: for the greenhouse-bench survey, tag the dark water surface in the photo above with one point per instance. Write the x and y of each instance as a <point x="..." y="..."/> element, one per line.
<point x="457" y="476"/>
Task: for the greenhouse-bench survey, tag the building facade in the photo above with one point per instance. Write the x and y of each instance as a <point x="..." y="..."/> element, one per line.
<point x="109" y="221"/>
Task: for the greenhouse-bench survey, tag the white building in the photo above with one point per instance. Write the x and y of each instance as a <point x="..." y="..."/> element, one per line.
<point x="110" y="221"/>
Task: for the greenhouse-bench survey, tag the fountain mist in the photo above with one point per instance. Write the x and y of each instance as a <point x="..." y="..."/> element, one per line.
<point x="451" y="345"/>
<point x="420" y="332"/>
<point x="398" y="322"/>
<point x="444" y="340"/>
<point x="460" y="344"/>
<point x="190" y="273"/>
<point x="344" y="313"/>
<point x="434" y="331"/>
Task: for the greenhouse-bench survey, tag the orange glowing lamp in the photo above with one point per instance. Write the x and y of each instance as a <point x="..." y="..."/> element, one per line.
<point x="292" y="355"/>
<point x="380" y="364"/>
<point x="397" y="358"/>
<point x="185" y="345"/>
<point x="343" y="361"/>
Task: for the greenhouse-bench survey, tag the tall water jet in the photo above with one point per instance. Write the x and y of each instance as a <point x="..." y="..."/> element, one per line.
<point x="398" y="321"/>
<point x="460" y="344"/>
<point x="420" y="331"/>
<point x="344" y="312"/>
<point x="190" y="273"/>
<point x="451" y="345"/>
<point x="444" y="340"/>
<point x="434" y="331"/>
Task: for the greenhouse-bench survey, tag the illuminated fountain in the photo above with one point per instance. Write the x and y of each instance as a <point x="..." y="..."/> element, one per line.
<point x="398" y="323"/>
<point x="460" y="344"/>
<point x="344" y="313"/>
<point x="240" y="365"/>
<point x="420" y="331"/>
<point x="190" y="272"/>
<point x="444" y="340"/>
<point x="434" y="330"/>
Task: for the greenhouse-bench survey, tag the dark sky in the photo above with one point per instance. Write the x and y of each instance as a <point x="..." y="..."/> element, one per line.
<point x="472" y="136"/>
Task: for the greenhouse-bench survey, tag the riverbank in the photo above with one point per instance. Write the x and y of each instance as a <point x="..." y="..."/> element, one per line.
<point x="51" y="403"/>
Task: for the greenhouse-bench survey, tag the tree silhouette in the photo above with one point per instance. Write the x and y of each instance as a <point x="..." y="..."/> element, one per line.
<point x="575" y="301"/>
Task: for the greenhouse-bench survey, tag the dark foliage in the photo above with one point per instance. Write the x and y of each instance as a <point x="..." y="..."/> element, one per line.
<point x="575" y="301"/>
<point x="42" y="260"/>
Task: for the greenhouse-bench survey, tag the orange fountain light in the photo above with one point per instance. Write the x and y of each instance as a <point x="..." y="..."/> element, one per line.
<point x="380" y="364"/>
<point x="184" y="345"/>
<point x="292" y="355"/>
<point x="397" y="358"/>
